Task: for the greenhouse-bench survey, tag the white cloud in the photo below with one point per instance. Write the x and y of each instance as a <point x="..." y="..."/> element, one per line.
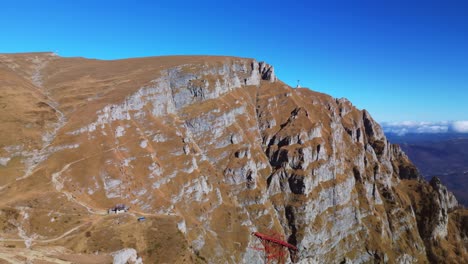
<point x="460" y="126"/>
<point x="406" y="127"/>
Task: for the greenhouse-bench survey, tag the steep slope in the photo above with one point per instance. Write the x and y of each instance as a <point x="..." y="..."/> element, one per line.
<point x="208" y="149"/>
<point x="441" y="155"/>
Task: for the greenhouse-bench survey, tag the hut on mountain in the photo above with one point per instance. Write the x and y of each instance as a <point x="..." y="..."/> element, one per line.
<point x="118" y="209"/>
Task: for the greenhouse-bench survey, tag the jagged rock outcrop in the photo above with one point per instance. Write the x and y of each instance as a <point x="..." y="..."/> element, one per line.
<point x="443" y="203"/>
<point x="209" y="149"/>
<point x="440" y="221"/>
<point x="267" y="72"/>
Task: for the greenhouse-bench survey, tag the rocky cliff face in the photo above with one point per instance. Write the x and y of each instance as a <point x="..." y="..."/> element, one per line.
<point x="208" y="149"/>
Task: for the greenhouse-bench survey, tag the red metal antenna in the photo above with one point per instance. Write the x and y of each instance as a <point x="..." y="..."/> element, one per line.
<point x="275" y="247"/>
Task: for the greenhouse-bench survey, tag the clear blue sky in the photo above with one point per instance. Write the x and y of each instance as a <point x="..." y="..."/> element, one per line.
<point x="399" y="60"/>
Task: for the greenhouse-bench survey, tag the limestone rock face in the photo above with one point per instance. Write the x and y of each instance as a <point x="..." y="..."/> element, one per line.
<point x="209" y="150"/>
<point x="267" y="72"/>
<point x="443" y="203"/>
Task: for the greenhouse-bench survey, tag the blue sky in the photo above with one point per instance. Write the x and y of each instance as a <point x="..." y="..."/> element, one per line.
<point x="401" y="61"/>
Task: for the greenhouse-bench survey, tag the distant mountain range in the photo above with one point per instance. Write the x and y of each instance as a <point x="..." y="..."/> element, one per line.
<point x="444" y="155"/>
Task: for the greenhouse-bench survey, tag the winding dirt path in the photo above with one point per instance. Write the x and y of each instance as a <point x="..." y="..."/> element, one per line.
<point x="46" y="240"/>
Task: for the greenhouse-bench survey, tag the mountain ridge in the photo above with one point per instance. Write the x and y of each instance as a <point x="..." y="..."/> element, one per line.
<point x="441" y="155"/>
<point x="217" y="146"/>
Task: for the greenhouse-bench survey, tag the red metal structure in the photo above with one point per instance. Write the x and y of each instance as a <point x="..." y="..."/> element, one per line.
<point x="275" y="247"/>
